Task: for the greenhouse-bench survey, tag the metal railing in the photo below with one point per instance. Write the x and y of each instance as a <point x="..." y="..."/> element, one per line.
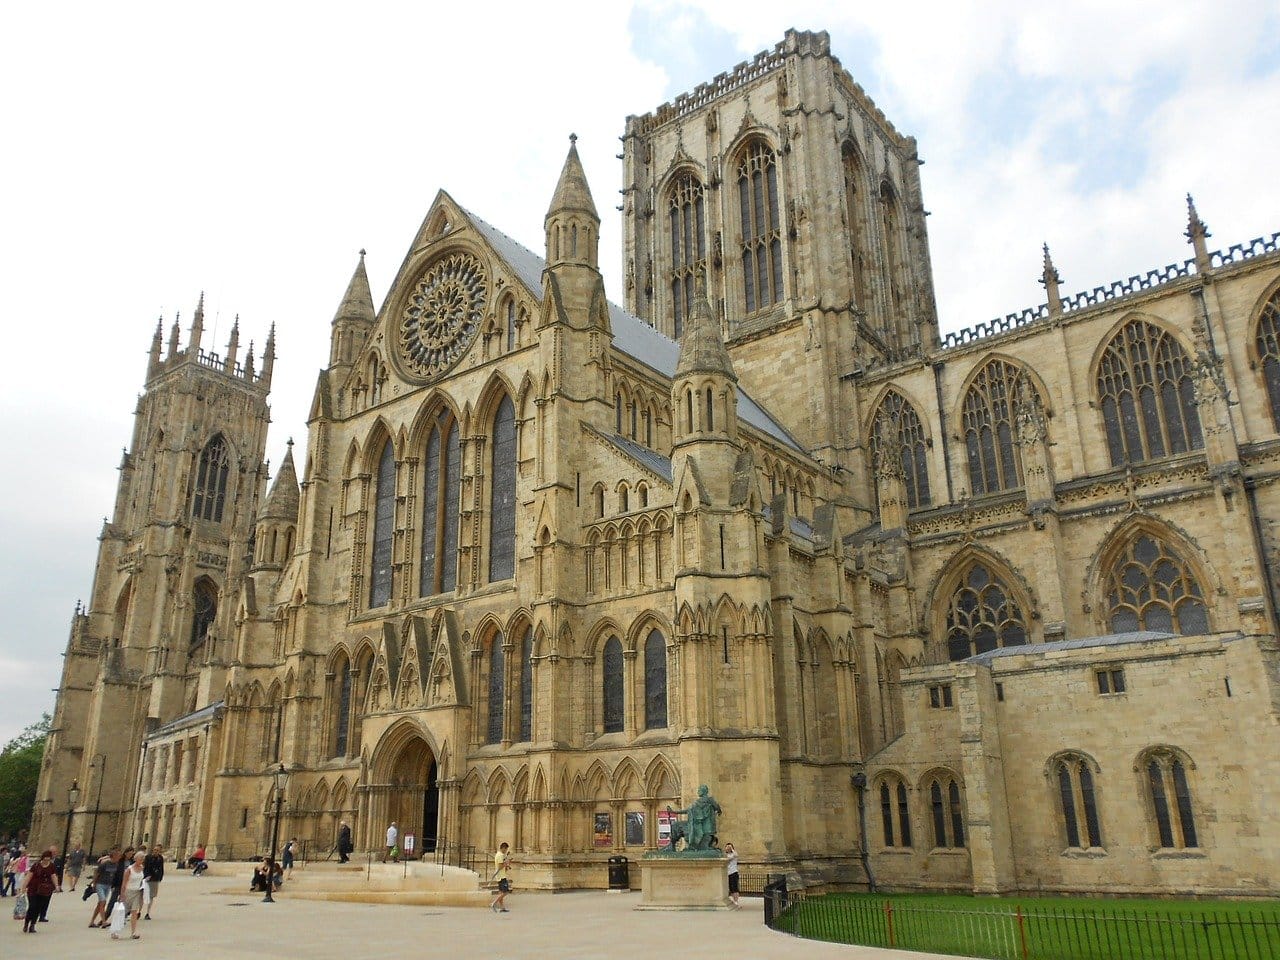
<point x="1007" y="931"/>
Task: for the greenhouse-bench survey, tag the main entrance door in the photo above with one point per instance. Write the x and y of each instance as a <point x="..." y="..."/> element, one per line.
<point x="415" y="795"/>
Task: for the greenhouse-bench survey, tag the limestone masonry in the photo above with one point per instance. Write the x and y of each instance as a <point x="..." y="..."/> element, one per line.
<point x="994" y="611"/>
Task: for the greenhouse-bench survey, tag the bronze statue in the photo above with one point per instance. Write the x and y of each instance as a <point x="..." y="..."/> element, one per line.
<point x="699" y="830"/>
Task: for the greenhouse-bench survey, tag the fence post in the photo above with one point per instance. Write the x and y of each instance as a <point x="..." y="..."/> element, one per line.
<point x="888" y="912"/>
<point x="1022" y="934"/>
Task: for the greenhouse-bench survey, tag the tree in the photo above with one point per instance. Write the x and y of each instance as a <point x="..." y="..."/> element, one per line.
<point x="19" y="774"/>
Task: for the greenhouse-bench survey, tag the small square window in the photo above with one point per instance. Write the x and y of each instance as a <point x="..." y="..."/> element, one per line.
<point x="1000" y="692"/>
<point x="1110" y="681"/>
<point x="935" y="697"/>
<point x="940" y="695"/>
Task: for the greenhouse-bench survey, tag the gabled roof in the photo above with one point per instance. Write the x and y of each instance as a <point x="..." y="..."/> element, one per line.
<point x="631" y="335"/>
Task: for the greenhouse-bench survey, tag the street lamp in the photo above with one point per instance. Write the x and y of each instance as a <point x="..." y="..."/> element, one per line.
<point x="281" y="777"/>
<point x="73" y="797"/>
<point x="97" y="804"/>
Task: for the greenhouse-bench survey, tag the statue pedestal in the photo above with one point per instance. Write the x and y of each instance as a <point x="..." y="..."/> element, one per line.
<point x="684" y="883"/>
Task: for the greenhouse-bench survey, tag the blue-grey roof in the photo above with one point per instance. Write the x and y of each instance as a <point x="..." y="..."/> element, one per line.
<point x="190" y="719"/>
<point x="1106" y="640"/>
<point x="654" y="461"/>
<point x="631" y="335"/>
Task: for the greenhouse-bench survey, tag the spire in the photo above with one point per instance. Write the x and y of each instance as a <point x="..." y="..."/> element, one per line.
<point x="357" y="302"/>
<point x="248" y="364"/>
<point x="282" y="501"/>
<point x="701" y="348"/>
<point x="1049" y="279"/>
<point x="269" y="356"/>
<point x="233" y="347"/>
<point x="197" y="326"/>
<point x="572" y="192"/>
<point x="173" y="335"/>
<point x="157" y="342"/>
<point x="572" y="224"/>
<point x="1197" y="233"/>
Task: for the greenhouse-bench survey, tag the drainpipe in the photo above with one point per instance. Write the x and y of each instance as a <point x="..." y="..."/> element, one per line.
<point x="859" y="782"/>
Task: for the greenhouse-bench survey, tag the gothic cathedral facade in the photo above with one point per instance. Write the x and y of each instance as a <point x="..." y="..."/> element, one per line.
<point x="989" y="611"/>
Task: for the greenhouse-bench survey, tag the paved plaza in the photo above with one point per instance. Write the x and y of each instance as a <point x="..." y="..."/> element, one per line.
<point x="192" y="920"/>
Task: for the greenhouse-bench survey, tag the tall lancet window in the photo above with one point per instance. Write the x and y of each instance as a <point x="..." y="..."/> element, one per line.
<point x="988" y="419"/>
<point x="439" y="567"/>
<point x="384" y="522"/>
<point x="655" y="681"/>
<point x="895" y="262"/>
<point x="1268" y="344"/>
<point x="497" y="689"/>
<point x="204" y="602"/>
<point x="211" y="481"/>
<point x="526" y="686"/>
<point x="855" y="202"/>
<point x="502" y="499"/>
<point x="897" y="431"/>
<point x="688" y="245"/>
<point x="761" y="227"/>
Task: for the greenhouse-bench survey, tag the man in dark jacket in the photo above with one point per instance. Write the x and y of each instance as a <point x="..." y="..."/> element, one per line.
<point x="345" y="846"/>
<point x="153" y="873"/>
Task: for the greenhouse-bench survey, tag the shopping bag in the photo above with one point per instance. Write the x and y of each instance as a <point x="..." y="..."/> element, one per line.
<point x="118" y="916"/>
<point x="20" y="907"/>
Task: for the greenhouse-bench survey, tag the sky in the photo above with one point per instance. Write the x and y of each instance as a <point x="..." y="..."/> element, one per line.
<point x="250" y="150"/>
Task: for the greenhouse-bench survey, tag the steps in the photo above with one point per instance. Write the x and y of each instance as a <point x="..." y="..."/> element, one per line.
<point x="417" y="884"/>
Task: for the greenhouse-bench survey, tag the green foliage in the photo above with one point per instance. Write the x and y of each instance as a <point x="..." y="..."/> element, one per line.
<point x="19" y="774"/>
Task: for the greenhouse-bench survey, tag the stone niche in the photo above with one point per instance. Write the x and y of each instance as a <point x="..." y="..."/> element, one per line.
<point x="684" y="883"/>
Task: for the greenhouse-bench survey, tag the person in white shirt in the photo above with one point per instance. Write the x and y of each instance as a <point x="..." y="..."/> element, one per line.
<point x="133" y="891"/>
<point x="732" y="854"/>
<point x="393" y="834"/>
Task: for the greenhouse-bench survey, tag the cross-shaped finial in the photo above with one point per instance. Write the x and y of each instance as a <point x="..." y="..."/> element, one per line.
<point x="573" y="138"/>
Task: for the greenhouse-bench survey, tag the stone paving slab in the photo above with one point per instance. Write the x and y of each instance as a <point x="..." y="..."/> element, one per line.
<point x="192" y="920"/>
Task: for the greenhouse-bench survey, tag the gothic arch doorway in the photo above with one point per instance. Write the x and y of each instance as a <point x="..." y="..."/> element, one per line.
<point x="410" y="786"/>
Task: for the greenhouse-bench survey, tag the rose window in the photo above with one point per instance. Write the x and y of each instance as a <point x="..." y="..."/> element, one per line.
<point x="442" y="315"/>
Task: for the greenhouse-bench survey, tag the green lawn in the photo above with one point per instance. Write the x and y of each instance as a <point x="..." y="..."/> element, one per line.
<point x="1050" y="929"/>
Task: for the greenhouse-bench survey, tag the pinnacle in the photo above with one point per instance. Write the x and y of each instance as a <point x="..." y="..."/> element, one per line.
<point x="357" y="302"/>
<point x="701" y="348"/>
<point x="572" y="192"/>
<point x="282" y="501"/>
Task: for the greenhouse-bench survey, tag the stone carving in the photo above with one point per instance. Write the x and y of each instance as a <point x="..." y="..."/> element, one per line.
<point x="442" y="315"/>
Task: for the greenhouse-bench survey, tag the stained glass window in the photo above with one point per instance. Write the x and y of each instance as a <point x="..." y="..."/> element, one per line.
<point x="904" y="815"/>
<point x="898" y="432"/>
<point x="685" y="207"/>
<point x="1152" y="588"/>
<point x="987" y="419"/>
<point x="502" y="518"/>
<point x="1268" y="343"/>
<point x="211" y="481"/>
<point x="439" y="566"/>
<point x="1078" y="803"/>
<point x="948" y="814"/>
<point x="982" y="615"/>
<point x="344" y="711"/>
<point x="761" y="227"/>
<point x="497" y="689"/>
<point x="613" y="713"/>
<point x="526" y="686"/>
<point x="204" y="600"/>
<point x="1147" y="393"/>
<point x="655" y="681"/>
<point x="1170" y="797"/>
<point x="893" y="803"/>
<point x="384" y="518"/>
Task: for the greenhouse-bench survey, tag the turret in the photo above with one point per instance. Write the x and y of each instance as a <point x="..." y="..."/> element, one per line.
<point x="278" y="519"/>
<point x="269" y="358"/>
<point x="157" y="341"/>
<point x="197" y="327"/>
<point x="572" y="224"/>
<point x="173" y="337"/>
<point x="353" y="321"/>
<point x="704" y="392"/>
<point x="233" y="347"/>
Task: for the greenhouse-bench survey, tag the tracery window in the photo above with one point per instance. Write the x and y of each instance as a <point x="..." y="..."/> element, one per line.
<point x="342" y="733"/>
<point x="526" y="686"/>
<point x="502" y="500"/>
<point x="384" y="518"/>
<point x="204" y="601"/>
<point x="1268" y="344"/>
<point x="988" y="418"/>
<point x="613" y="686"/>
<point x="898" y="430"/>
<point x="211" y="481"/>
<point x="947" y="812"/>
<point x="438" y="571"/>
<point x="497" y="689"/>
<point x="855" y="210"/>
<point x="511" y="325"/>
<point x="686" y="212"/>
<point x="895" y="813"/>
<point x="655" y="681"/>
<point x="1152" y="588"/>
<point x="1077" y="802"/>
<point x="891" y="228"/>
<point x="1147" y="393"/>
<point x="761" y="227"/>
<point x="983" y="615"/>
<point x="1170" y="799"/>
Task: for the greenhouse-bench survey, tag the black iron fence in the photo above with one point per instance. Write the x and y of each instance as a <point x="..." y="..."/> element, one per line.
<point x="1005" y="931"/>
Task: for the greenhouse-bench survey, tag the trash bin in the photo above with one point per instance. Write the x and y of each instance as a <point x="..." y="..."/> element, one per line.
<point x="619" y="874"/>
<point x="775" y="896"/>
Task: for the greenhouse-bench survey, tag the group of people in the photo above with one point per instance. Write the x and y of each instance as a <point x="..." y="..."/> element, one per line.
<point x="131" y="877"/>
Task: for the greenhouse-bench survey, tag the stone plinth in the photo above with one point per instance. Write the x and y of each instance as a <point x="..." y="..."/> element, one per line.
<point x="684" y="883"/>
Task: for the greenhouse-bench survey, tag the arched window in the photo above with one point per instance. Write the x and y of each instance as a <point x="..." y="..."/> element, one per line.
<point x="502" y="500"/>
<point x="1150" y="587"/>
<point x="895" y="814"/>
<point x="761" y="227"/>
<point x="1077" y="802"/>
<point x="211" y="481"/>
<point x="612" y="677"/>
<point x="947" y="812"/>
<point x="685" y="207"/>
<point x="511" y="324"/>
<point x="526" y="686"/>
<point x="856" y="211"/>
<point x="898" y="431"/>
<point x="987" y="418"/>
<point x="438" y="571"/>
<point x="1147" y="394"/>
<point x="617" y="413"/>
<point x="599" y="501"/>
<point x="655" y="681"/>
<point x="384" y="520"/>
<point x="343" y="725"/>
<point x="497" y="689"/>
<point x="1170" y="799"/>
<point x="891" y="228"/>
<point x="648" y="428"/>
<point x="983" y="615"/>
<point x="204" y="602"/>
<point x="1268" y="343"/>
<point x="711" y="417"/>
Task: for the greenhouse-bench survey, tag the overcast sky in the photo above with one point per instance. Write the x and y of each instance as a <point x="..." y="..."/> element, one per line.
<point x="249" y="150"/>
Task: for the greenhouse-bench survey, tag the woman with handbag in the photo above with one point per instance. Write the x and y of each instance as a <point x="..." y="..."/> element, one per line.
<point x="41" y="882"/>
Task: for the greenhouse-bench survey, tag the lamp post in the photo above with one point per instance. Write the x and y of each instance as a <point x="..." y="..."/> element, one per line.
<point x="73" y="797"/>
<point x="97" y="804"/>
<point x="281" y="777"/>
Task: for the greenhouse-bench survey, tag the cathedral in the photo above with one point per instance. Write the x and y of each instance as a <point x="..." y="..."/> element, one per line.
<point x="993" y="611"/>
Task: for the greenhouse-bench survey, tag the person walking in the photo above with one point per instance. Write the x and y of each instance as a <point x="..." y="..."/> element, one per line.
<point x="153" y="869"/>
<point x="732" y="854"/>
<point x="133" y="891"/>
<point x="502" y="863"/>
<point x="126" y="860"/>
<point x="393" y="834"/>
<point x="75" y="864"/>
<point x="345" y="846"/>
<point x="39" y="886"/>
<point x="6" y="874"/>
<point x="104" y="879"/>
<point x="286" y="857"/>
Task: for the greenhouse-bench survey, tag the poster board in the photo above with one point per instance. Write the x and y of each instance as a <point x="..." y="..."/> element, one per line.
<point x="664" y="829"/>
<point x="604" y="830"/>
<point x="634" y="831"/>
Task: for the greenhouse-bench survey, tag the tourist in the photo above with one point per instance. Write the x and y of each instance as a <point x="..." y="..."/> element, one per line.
<point x="126" y="860"/>
<point x="6" y="875"/>
<point x="197" y="862"/>
<point x="286" y="856"/>
<point x="75" y="864"/>
<point x="104" y="879"/>
<point x="266" y="873"/>
<point x="153" y="867"/>
<point x="133" y="891"/>
<point x="501" y="864"/>
<point x="18" y="868"/>
<point x="393" y="834"/>
<point x="41" y="881"/>
<point x="732" y="854"/>
<point x="345" y="846"/>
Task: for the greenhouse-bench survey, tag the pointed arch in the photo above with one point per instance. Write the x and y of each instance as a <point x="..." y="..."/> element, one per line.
<point x="895" y="429"/>
<point x="1167" y="777"/>
<point x="212" y="469"/>
<point x="856" y="195"/>
<point x="979" y="604"/>
<point x="384" y="519"/>
<point x="628" y="783"/>
<point x="661" y="779"/>
<point x="686" y="235"/>
<point x="1149" y="576"/>
<point x="988" y="417"/>
<point x="502" y="491"/>
<point x="1265" y="347"/>
<point x="755" y="169"/>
